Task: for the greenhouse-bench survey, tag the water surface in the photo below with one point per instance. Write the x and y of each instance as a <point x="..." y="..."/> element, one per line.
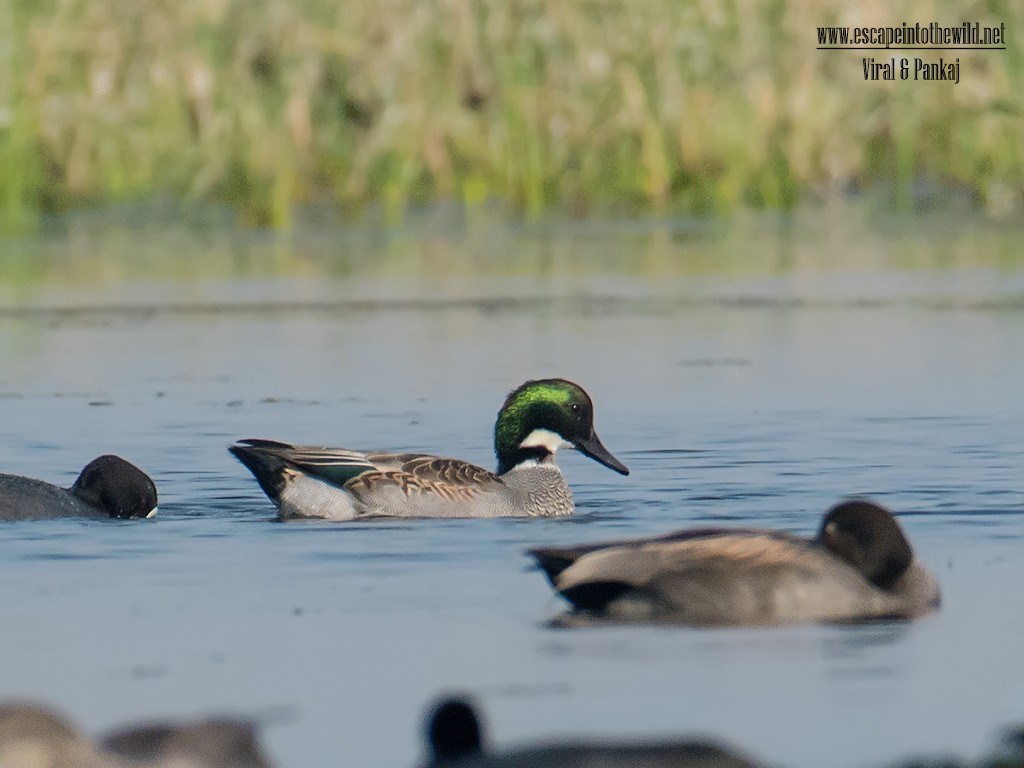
<point x="745" y="380"/>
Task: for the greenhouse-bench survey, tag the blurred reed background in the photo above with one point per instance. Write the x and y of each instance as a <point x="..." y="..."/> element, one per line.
<point x="593" y="107"/>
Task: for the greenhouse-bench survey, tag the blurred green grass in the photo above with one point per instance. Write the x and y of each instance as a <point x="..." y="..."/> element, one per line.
<point x="594" y="107"/>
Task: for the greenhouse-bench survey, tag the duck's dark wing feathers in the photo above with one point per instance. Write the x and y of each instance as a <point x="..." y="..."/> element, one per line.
<point x="554" y="560"/>
<point x="434" y="469"/>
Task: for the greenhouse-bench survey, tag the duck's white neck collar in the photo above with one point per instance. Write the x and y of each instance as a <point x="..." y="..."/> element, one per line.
<point x="546" y="439"/>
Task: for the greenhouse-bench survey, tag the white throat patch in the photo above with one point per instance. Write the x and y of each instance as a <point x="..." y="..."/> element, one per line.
<point x="546" y="439"/>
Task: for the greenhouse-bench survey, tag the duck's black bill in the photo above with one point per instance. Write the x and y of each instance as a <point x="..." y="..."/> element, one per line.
<point x="591" y="446"/>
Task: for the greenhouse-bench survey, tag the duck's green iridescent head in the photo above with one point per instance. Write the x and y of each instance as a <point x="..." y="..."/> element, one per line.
<point x="542" y="416"/>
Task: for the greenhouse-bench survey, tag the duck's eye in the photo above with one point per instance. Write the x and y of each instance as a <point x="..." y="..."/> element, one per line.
<point x="575" y="407"/>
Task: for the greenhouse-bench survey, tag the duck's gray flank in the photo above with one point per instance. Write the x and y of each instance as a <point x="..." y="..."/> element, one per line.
<point x="859" y="567"/>
<point x="535" y="421"/>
